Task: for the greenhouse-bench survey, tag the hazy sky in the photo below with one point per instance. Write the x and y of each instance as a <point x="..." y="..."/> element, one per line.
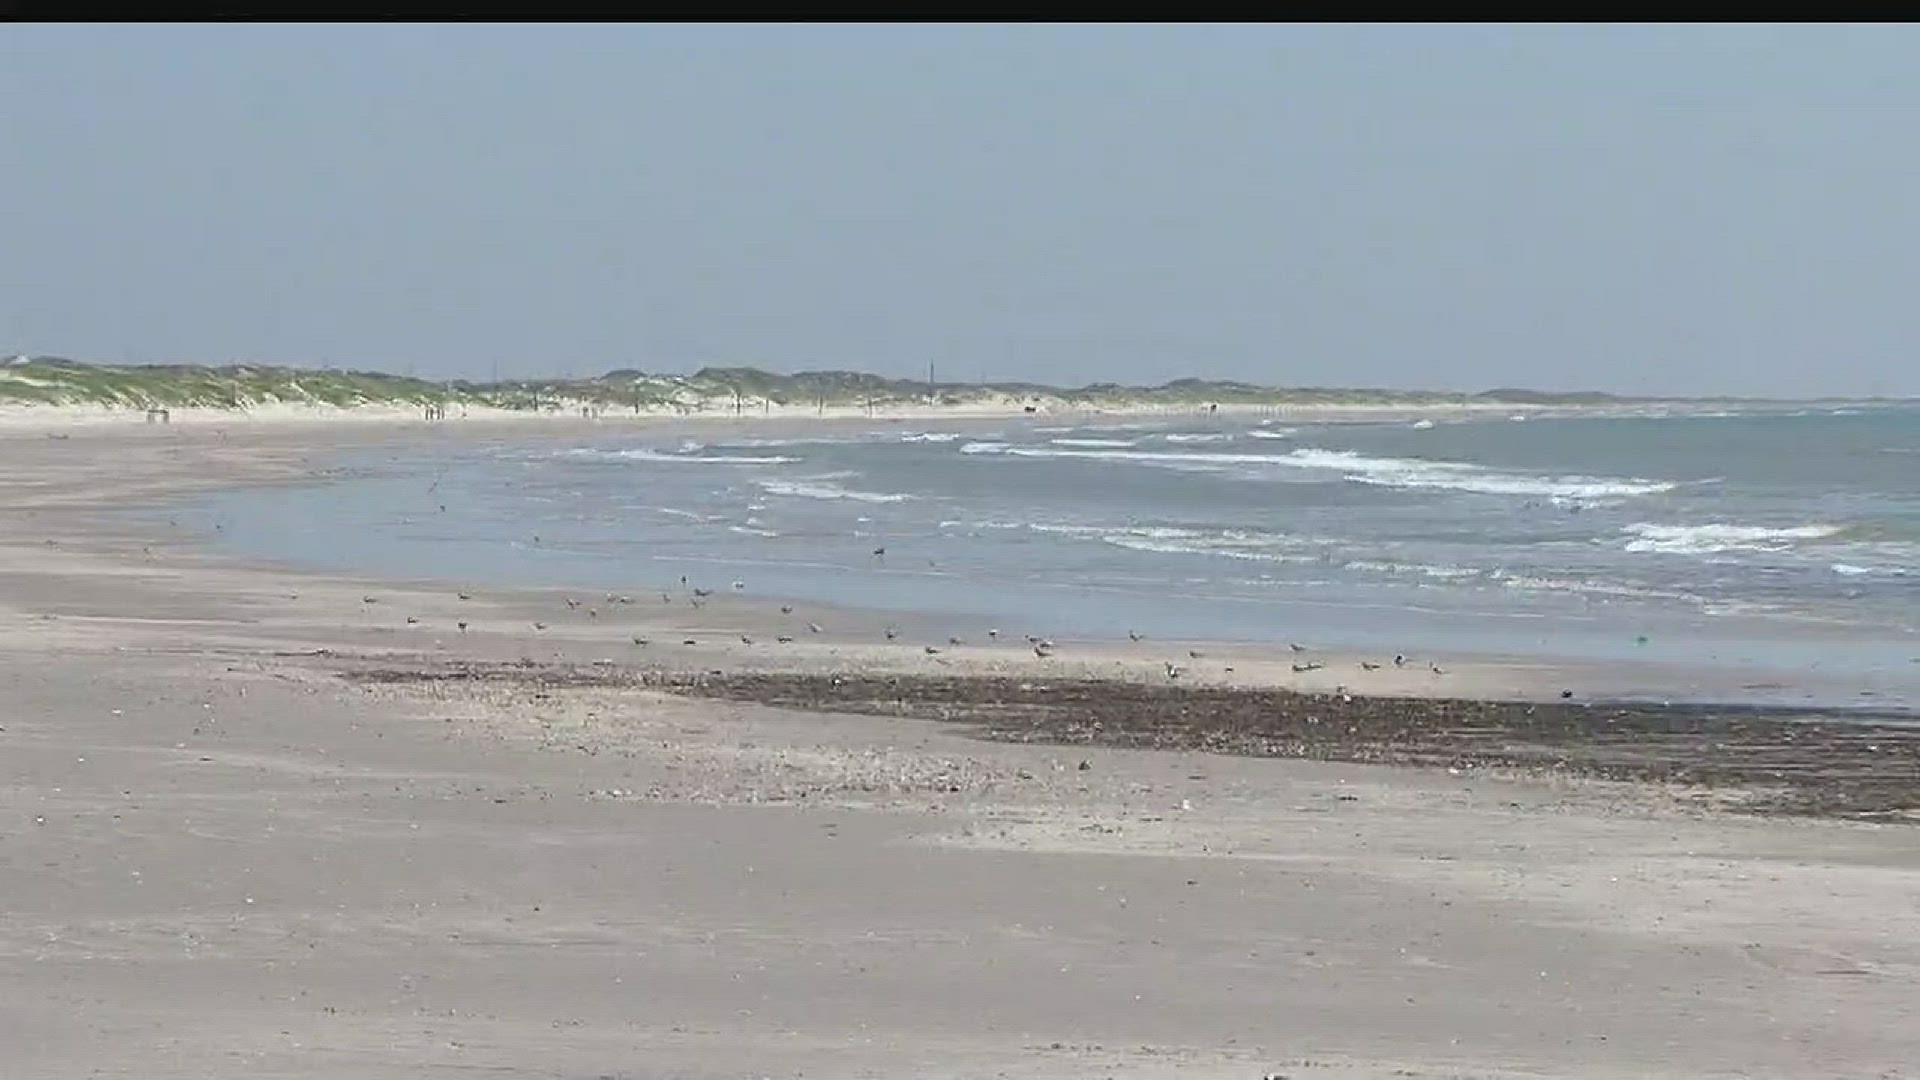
<point x="1665" y="209"/>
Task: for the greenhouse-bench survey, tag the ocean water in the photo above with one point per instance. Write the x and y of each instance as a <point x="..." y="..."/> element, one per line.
<point x="1786" y="541"/>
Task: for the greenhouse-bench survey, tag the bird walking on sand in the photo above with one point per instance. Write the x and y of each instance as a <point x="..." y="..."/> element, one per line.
<point x="1399" y="660"/>
<point x="689" y="641"/>
<point x="1368" y="666"/>
<point x="994" y="633"/>
<point x="786" y="609"/>
<point x="638" y="640"/>
<point x="593" y="613"/>
<point x="1308" y="666"/>
<point x="892" y="632"/>
<point x="1296" y="646"/>
<point x="739" y="585"/>
<point x="815" y="627"/>
<point x="466" y="596"/>
<point x="368" y="600"/>
<point x="879" y="552"/>
<point x="539" y="626"/>
<point x="572" y="603"/>
<point x="1173" y="670"/>
<point x="1193" y="654"/>
<point x="745" y="640"/>
<point x="462" y="626"/>
<point x="931" y="651"/>
<point x="1043" y="649"/>
<point x="413" y="620"/>
<point x="703" y="592"/>
<point x="784" y="639"/>
<point x="1436" y="668"/>
<point x="1133" y="635"/>
<point x="955" y="641"/>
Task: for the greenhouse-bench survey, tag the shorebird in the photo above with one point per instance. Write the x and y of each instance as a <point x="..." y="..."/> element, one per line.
<point x="462" y="626"/>
<point x="703" y="592"/>
<point x="1296" y="647"/>
<point x="879" y="552"/>
<point x="593" y="613"/>
<point x="1193" y="654"/>
<point x="1308" y="666"/>
<point x="695" y="601"/>
<point x="892" y="633"/>
<point x="745" y="640"/>
<point x="994" y="633"/>
<point x="1043" y="649"/>
<point x="815" y="627"/>
<point x="664" y="598"/>
<point x="1173" y="672"/>
<point x="572" y="603"/>
<point x="368" y="600"/>
<point x="786" y="609"/>
<point x="1134" y="635"/>
<point x="539" y="626"/>
<point x="1436" y="668"/>
<point x="1566" y="693"/>
<point x="784" y="639"/>
<point x="931" y="651"/>
<point x="955" y="641"/>
<point x="738" y="585"/>
<point x="1399" y="660"/>
<point x="466" y="596"/>
<point x="1366" y="666"/>
<point x="413" y="620"/>
<point x="689" y="641"/>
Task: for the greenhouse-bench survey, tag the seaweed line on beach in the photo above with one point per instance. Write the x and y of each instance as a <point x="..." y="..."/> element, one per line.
<point x="1858" y="765"/>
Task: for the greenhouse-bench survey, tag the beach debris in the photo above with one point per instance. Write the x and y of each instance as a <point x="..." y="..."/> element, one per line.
<point x="1043" y="649"/>
<point x="689" y="641"/>
<point x="1566" y="693"/>
<point x="1308" y="666"/>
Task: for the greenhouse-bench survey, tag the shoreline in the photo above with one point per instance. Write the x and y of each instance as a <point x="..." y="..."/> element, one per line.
<point x="236" y="856"/>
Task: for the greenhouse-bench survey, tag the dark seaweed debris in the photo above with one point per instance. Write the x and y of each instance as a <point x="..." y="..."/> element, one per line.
<point x="1853" y="764"/>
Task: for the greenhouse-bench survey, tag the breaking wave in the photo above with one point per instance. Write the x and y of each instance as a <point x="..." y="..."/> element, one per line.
<point x="814" y="489"/>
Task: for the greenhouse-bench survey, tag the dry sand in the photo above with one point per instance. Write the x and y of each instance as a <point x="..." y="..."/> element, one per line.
<point x="225" y="856"/>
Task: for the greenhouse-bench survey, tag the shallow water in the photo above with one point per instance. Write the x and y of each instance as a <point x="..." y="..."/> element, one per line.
<point x="1787" y="541"/>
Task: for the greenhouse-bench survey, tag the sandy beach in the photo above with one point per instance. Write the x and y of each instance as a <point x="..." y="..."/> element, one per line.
<point x="267" y="822"/>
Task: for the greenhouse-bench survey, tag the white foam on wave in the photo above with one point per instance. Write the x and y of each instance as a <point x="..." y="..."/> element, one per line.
<point x="816" y="489"/>
<point x="1411" y="473"/>
<point x="1272" y="433"/>
<point x="1198" y="436"/>
<point x="749" y="530"/>
<point x="930" y="436"/>
<point x="692" y="457"/>
<point x="1106" y="444"/>
<point x="1715" y="537"/>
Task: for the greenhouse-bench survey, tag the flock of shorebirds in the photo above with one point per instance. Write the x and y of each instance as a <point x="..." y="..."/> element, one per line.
<point x="1043" y="648"/>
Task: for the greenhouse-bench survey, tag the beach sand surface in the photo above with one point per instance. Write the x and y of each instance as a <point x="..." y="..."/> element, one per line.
<point x="227" y="853"/>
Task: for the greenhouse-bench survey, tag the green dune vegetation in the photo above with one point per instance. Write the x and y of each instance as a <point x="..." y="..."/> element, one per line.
<point x="53" y="381"/>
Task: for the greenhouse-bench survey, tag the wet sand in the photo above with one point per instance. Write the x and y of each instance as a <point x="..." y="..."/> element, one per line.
<point x="235" y="849"/>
